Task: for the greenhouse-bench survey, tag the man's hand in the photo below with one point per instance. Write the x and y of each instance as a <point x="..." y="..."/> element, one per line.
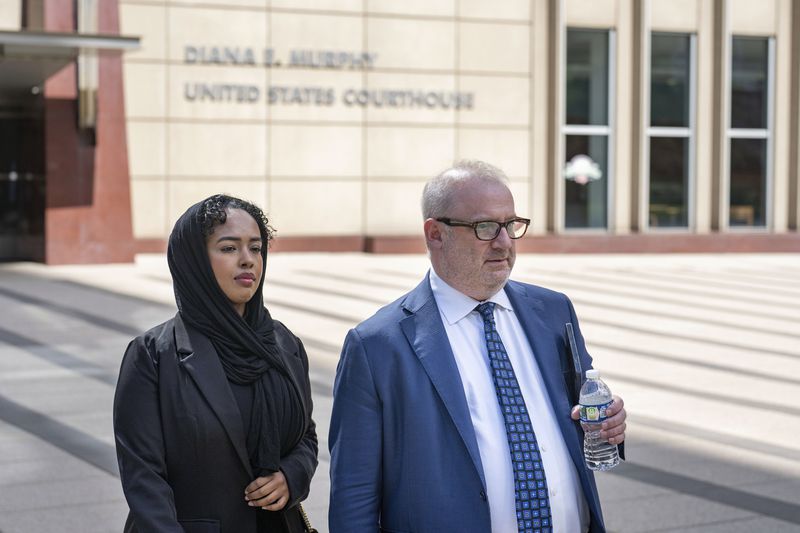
<point x="271" y="492"/>
<point x="613" y="428"/>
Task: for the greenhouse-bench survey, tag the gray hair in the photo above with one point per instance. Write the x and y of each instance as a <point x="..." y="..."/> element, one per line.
<point x="438" y="192"/>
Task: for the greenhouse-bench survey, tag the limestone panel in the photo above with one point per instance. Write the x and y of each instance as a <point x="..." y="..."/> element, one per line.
<point x="149" y="209"/>
<point x="506" y="149"/>
<point x="314" y="33"/>
<point x="393" y="208"/>
<point x="409" y="98"/>
<point x="412" y="44"/>
<point x="400" y="152"/>
<point x="11" y="16"/>
<point x="753" y="18"/>
<point x="507" y="9"/>
<point x="316" y="207"/>
<point x="184" y="193"/>
<point x="313" y="95"/>
<point x="496" y="100"/>
<point x="520" y="190"/>
<point x="231" y="92"/>
<point x="145" y="89"/>
<point x="217" y="149"/>
<point x="591" y="13"/>
<point x="205" y="28"/>
<point x="317" y="5"/>
<point x="315" y="151"/>
<point x="263" y="4"/>
<point x="441" y="8"/>
<point x="148" y="22"/>
<point x="675" y="15"/>
<point x="146" y="148"/>
<point x="494" y="47"/>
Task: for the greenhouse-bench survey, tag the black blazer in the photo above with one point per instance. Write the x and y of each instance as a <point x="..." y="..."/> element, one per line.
<point x="180" y="439"/>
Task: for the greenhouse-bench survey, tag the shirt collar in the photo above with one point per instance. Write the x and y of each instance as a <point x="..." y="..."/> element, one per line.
<point x="455" y="305"/>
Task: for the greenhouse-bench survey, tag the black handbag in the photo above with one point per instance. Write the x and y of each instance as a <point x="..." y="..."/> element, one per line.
<point x="306" y="521"/>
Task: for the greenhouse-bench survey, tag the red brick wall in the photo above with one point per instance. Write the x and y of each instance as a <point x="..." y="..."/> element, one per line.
<point x="88" y="209"/>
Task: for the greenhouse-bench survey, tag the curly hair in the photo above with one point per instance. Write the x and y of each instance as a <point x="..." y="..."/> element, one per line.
<point x="213" y="212"/>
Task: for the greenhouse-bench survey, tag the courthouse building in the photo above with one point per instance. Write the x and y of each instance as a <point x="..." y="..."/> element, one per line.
<point x="623" y="125"/>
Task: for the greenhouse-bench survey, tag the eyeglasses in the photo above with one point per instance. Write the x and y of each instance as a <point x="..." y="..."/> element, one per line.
<point x="488" y="230"/>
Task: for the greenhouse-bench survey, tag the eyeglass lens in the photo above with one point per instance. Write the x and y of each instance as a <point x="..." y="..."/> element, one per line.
<point x="487" y="231"/>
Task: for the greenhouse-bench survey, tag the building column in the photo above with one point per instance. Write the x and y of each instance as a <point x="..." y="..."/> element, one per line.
<point x="781" y="130"/>
<point x="720" y="117"/>
<point x="706" y="168"/>
<point x="622" y="86"/>
<point x="640" y="119"/>
<point x="793" y="198"/>
<point x="555" y="115"/>
<point x="87" y="206"/>
<point x="540" y="128"/>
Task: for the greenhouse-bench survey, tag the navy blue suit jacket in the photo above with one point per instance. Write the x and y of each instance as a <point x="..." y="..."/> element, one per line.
<point x="404" y="457"/>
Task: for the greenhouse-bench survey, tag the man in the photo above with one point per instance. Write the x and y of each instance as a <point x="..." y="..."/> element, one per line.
<point x="451" y="407"/>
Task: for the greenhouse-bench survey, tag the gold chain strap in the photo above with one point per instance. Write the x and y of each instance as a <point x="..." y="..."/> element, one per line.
<point x="306" y="521"/>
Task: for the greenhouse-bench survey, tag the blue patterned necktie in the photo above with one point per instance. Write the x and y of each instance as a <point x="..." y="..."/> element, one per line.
<point x="530" y="485"/>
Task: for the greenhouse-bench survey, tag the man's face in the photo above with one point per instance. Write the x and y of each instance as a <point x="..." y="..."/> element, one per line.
<point x="474" y="267"/>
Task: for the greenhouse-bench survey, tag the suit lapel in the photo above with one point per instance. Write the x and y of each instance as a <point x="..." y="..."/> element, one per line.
<point x="198" y="357"/>
<point x="424" y="330"/>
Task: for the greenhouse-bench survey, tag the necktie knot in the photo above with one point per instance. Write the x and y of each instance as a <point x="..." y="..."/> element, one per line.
<point x="486" y="309"/>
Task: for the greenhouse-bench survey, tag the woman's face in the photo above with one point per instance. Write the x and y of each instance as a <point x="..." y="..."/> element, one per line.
<point x="234" y="249"/>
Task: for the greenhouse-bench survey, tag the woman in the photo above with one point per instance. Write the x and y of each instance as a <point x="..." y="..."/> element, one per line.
<point x="212" y="412"/>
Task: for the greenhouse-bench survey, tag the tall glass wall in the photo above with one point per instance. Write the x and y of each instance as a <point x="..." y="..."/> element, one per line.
<point x="670" y="132"/>
<point x="749" y="133"/>
<point x="587" y="129"/>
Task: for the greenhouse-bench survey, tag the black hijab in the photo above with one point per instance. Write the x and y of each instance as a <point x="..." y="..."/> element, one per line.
<point x="246" y="346"/>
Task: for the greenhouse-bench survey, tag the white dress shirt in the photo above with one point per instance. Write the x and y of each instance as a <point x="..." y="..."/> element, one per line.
<point x="464" y="327"/>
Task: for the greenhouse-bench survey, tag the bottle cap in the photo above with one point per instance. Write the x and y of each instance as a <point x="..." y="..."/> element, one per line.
<point x="592" y="373"/>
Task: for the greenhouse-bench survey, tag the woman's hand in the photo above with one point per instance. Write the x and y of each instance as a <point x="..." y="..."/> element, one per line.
<point x="271" y="492"/>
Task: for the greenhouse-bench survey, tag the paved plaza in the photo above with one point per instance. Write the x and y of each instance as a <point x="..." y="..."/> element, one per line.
<point x="705" y="350"/>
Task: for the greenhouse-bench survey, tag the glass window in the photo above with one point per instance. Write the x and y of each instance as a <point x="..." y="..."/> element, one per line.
<point x="748" y="182"/>
<point x="587" y="77"/>
<point x="669" y="182"/>
<point x="587" y="128"/>
<point x="586" y="199"/>
<point x="750" y="135"/>
<point x="671" y="130"/>
<point x="22" y="192"/>
<point x="669" y="80"/>
<point x="749" y="73"/>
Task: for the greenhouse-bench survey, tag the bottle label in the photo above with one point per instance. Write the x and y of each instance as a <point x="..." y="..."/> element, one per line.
<point x="594" y="413"/>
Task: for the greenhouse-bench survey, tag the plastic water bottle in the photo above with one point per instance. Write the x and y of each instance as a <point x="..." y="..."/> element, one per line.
<point x="595" y="399"/>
